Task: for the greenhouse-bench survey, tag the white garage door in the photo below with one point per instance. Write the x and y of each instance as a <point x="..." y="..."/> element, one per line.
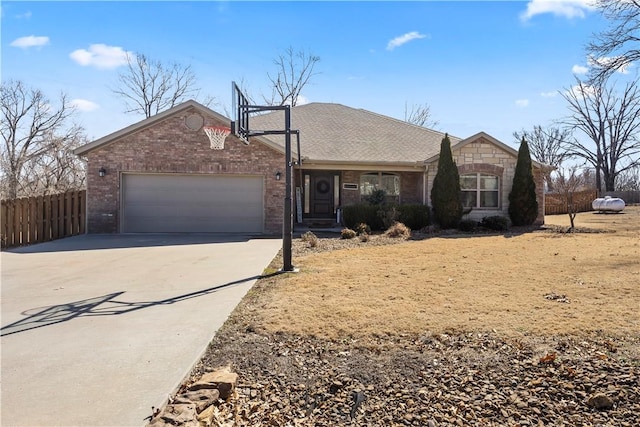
<point x="192" y="203"/>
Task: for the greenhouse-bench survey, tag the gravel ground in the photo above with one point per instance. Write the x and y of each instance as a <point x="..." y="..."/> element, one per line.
<point x="445" y="379"/>
<point x="454" y="378"/>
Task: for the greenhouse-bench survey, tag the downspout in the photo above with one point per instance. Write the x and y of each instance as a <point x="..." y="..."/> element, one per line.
<point x="424" y="185"/>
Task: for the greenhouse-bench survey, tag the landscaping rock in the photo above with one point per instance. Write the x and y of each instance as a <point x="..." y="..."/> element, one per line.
<point x="600" y="401"/>
<point x="222" y="380"/>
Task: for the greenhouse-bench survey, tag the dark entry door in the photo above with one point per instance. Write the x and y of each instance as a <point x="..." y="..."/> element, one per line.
<point x="321" y="196"/>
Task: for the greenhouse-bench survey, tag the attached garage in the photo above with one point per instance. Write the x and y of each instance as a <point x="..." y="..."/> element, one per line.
<point x="188" y="203"/>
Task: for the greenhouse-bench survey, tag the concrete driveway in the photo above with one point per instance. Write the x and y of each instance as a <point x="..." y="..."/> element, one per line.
<point x="96" y="329"/>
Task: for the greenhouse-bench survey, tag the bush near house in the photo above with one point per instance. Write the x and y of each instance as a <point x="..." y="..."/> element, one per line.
<point x="523" y="205"/>
<point x="347" y="233"/>
<point x="414" y="216"/>
<point x="495" y="222"/>
<point x="468" y="225"/>
<point x="362" y="213"/>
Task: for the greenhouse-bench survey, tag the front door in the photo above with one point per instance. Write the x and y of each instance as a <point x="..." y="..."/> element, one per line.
<point x="321" y="196"/>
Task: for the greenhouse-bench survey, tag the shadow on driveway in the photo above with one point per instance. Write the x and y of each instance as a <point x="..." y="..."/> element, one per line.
<point x="88" y="242"/>
<point x="106" y="305"/>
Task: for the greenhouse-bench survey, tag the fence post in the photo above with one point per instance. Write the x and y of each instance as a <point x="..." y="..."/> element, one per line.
<point x="69" y="213"/>
<point x="83" y="211"/>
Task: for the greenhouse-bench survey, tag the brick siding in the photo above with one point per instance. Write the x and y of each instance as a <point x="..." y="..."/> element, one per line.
<point x="170" y="146"/>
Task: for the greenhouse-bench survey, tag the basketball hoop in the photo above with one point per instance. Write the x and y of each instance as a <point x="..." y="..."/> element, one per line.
<point x="217" y="135"/>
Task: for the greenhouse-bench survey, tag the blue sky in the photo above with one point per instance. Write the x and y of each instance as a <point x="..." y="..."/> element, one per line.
<point x="481" y="66"/>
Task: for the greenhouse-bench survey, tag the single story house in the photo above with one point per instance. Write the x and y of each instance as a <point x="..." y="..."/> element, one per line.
<point x="161" y="175"/>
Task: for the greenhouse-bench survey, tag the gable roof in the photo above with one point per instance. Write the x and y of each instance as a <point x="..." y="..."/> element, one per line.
<point x="341" y="134"/>
<point x="136" y="127"/>
<point x="487" y="137"/>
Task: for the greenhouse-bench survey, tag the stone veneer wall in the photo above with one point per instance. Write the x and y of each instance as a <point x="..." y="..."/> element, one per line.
<point x="171" y="147"/>
<point x="483" y="156"/>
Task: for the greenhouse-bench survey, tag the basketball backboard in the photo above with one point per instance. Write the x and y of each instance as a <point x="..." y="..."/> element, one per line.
<point x="240" y="112"/>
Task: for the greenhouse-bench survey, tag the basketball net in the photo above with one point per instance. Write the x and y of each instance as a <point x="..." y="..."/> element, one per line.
<point x="217" y="135"/>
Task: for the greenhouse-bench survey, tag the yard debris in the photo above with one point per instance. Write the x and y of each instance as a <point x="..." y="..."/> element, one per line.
<point x="549" y="358"/>
<point x="557" y="297"/>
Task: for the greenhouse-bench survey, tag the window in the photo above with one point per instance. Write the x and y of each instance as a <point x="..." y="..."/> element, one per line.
<point x="390" y="183"/>
<point x="480" y="190"/>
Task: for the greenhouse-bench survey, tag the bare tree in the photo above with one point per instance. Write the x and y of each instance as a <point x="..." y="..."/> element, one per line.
<point x="294" y="70"/>
<point x="419" y="115"/>
<point x="28" y="122"/>
<point x="629" y="180"/>
<point x="149" y="87"/>
<point x="568" y="182"/>
<point x="546" y="147"/>
<point x="617" y="47"/>
<point x="611" y="122"/>
<point x="58" y="169"/>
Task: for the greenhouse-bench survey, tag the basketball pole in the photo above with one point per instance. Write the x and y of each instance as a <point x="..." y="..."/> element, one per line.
<point x="287" y="226"/>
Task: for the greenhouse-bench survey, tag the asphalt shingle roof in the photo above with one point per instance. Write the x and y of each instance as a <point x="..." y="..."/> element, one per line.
<point x="334" y="132"/>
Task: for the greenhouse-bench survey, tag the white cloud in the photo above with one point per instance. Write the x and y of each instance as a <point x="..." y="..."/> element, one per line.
<point x="84" y="105"/>
<point x="579" y="69"/>
<point x="302" y="100"/>
<point x="549" y="94"/>
<point x="30" y="41"/>
<point x="566" y="8"/>
<point x="405" y="38"/>
<point x="25" y="15"/>
<point x="580" y="93"/>
<point x="101" y="56"/>
<point x="522" y="103"/>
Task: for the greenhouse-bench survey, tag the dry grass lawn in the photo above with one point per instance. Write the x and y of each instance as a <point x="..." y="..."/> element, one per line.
<point x="469" y="282"/>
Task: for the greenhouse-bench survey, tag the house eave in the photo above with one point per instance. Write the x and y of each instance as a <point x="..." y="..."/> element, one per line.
<point x="143" y="124"/>
<point x="313" y="164"/>
<point x="489" y="138"/>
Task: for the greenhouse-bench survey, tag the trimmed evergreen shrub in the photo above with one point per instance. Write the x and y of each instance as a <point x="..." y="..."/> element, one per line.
<point x="495" y="222"/>
<point x="445" y="194"/>
<point x="414" y="216"/>
<point x="353" y="215"/>
<point x="523" y="205"/>
<point x="467" y="225"/>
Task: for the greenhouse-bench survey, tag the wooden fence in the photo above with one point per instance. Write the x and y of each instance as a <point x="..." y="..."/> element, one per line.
<point x="556" y="203"/>
<point x="43" y="218"/>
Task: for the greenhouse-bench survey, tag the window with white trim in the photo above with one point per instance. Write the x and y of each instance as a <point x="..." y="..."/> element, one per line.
<point x="390" y="183"/>
<point x="479" y="190"/>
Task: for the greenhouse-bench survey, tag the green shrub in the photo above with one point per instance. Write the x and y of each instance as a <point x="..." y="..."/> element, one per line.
<point x="388" y="215"/>
<point x="523" y="204"/>
<point x="414" y="216"/>
<point x="310" y="239"/>
<point x="376" y="198"/>
<point x="445" y="193"/>
<point x="467" y="225"/>
<point x="398" y="229"/>
<point x="353" y="215"/>
<point x="347" y="233"/>
<point x="496" y="222"/>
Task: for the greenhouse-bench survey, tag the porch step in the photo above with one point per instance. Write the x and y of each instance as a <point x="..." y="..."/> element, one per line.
<point x="320" y="223"/>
